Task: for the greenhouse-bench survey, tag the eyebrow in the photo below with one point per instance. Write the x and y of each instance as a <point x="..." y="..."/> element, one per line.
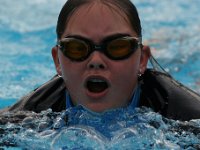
<point x="107" y="38"/>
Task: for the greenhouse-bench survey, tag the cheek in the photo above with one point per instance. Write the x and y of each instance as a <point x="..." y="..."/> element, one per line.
<point x="126" y="74"/>
<point x="129" y="68"/>
<point x="73" y="79"/>
<point x="70" y="71"/>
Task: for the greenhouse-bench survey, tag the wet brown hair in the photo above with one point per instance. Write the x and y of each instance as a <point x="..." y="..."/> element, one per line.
<point x="125" y="6"/>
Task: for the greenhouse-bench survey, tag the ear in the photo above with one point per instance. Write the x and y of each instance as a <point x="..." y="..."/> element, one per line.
<point x="145" y="54"/>
<point x="54" y="53"/>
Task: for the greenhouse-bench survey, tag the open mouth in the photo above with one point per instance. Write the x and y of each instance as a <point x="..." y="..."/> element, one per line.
<point x="96" y="85"/>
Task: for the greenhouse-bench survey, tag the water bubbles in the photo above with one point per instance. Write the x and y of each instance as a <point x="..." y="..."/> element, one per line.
<point x="78" y="137"/>
<point x="78" y="128"/>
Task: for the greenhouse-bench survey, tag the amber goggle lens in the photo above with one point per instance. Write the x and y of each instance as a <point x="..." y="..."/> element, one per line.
<point x="119" y="48"/>
<point x="74" y="49"/>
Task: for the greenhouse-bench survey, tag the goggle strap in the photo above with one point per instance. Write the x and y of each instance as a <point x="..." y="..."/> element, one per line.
<point x="156" y="65"/>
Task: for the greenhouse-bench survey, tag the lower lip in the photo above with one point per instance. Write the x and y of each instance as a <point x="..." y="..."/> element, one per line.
<point x="96" y="95"/>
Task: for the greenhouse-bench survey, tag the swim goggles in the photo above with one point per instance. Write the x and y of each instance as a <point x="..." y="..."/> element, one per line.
<point x="116" y="48"/>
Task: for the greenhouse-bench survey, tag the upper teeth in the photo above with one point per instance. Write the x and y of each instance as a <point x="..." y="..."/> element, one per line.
<point x="96" y="80"/>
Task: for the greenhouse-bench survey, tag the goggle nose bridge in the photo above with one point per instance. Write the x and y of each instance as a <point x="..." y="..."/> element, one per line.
<point x="98" y="47"/>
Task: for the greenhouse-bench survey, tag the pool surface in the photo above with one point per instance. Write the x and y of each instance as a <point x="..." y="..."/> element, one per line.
<point x="27" y="30"/>
<point x="78" y="128"/>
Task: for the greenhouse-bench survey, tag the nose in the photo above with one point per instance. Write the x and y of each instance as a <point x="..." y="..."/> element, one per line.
<point x="96" y="61"/>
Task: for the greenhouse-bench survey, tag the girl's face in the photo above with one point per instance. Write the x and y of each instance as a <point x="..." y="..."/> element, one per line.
<point x="98" y="82"/>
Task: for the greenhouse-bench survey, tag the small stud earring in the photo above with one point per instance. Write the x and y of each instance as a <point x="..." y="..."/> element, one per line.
<point x="140" y="73"/>
<point x="59" y="76"/>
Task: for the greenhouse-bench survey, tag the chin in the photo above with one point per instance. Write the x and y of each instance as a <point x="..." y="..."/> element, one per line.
<point x="99" y="108"/>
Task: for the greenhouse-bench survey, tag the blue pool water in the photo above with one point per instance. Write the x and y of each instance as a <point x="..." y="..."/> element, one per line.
<point x="78" y="128"/>
<point x="27" y="30"/>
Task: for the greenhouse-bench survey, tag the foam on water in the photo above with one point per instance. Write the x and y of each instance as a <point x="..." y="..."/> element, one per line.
<point x="78" y="128"/>
<point x="27" y="16"/>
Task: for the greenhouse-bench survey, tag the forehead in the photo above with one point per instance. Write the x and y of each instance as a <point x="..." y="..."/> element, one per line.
<point x="99" y="8"/>
<point x="97" y="17"/>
